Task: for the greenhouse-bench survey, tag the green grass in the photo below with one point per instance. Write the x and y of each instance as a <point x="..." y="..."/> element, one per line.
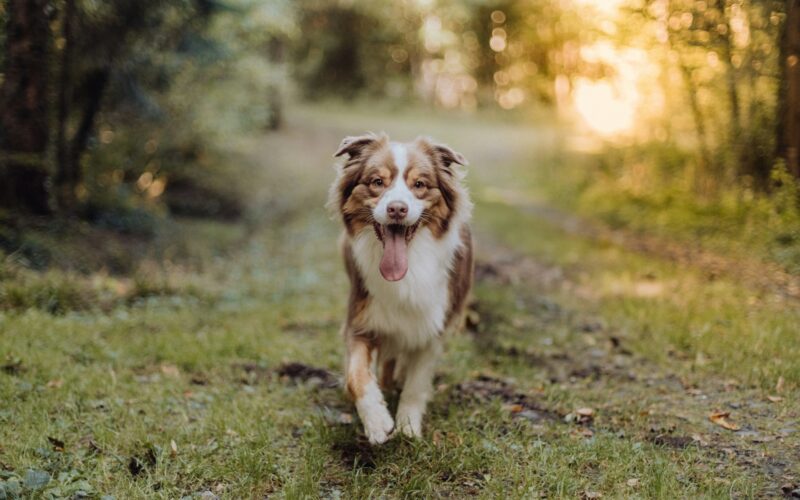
<point x="649" y="189"/>
<point x="170" y="386"/>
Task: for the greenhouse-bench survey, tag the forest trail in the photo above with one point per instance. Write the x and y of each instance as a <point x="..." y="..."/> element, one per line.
<point x="590" y="367"/>
<point x="680" y="403"/>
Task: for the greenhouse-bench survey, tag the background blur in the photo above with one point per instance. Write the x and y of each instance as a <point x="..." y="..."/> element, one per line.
<point x="118" y="112"/>
<point x="171" y="293"/>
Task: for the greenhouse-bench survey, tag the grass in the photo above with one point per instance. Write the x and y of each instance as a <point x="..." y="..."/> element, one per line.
<point x="177" y="386"/>
<point x="650" y="189"/>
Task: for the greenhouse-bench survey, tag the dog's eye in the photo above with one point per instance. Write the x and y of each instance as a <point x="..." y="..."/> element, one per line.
<point x="377" y="182"/>
<point x="419" y="184"/>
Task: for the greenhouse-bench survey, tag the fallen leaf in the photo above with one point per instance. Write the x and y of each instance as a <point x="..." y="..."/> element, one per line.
<point x="633" y="483"/>
<point x="584" y="415"/>
<point x="590" y="495"/>
<point x="514" y="408"/>
<point x="779" y="385"/>
<point x="173" y="446"/>
<point x="345" y="418"/>
<point x="55" y="383"/>
<point x="58" y="445"/>
<point x="721" y="419"/>
<point x="775" y="399"/>
<point x="170" y="370"/>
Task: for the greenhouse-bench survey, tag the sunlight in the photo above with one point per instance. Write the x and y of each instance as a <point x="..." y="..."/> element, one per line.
<point x="612" y="105"/>
<point x="603" y="109"/>
<point x="606" y="7"/>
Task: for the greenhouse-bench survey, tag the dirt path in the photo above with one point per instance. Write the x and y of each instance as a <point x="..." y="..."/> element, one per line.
<point x="630" y="396"/>
<point x="763" y="275"/>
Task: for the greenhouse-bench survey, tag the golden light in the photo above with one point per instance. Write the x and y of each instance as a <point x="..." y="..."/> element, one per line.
<point x="612" y="105"/>
<point x="603" y="109"/>
<point x="605" y="7"/>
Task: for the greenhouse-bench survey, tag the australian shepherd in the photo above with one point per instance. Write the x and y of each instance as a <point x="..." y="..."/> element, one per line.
<point x="408" y="253"/>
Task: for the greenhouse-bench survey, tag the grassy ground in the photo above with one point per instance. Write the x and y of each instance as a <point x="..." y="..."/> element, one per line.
<point x="590" y="369"/>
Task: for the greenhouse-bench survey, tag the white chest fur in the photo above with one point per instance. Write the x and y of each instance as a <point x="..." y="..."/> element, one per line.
<point x="413" y="310"/>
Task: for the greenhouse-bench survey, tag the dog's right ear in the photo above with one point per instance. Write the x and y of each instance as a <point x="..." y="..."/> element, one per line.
<point x="354" y="145"/>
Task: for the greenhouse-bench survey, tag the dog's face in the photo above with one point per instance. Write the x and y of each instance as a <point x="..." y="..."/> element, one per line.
<point x="395" y="189"/>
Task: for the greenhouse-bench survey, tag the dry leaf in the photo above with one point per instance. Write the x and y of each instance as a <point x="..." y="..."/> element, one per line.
<point x="515" y="408"/>
<point x="584" y="415"/>
<point x="345" y="418"/>
<point x="170" y="370"/>
<point x="779" y="385"/>
<point x="633" y="483"/>
<point x="591" y="495"/>
<point x="55" y="383"/>
<point x="775" y="399"/>
<point x="173" y="446"/>
<point x="720" y="418"/>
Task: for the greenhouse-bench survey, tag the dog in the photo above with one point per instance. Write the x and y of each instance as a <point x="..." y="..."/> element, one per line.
<point x="408" y="253"/>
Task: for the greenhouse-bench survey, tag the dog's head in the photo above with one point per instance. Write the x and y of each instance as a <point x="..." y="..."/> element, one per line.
<point x="395" y="189"/>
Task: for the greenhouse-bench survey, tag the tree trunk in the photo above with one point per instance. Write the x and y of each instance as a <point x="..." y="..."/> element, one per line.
<point x="67" y="175"/>
<point x="789" y="98"/>
<point x="96" y="85"/>
<point x="735" y="131"/>
<point x="24" y="108"/>
<point x="697" y="115"/>
<point x="694" y="103"/>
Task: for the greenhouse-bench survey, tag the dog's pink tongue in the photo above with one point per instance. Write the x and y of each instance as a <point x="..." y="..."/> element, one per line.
<point x="394" y="262"/>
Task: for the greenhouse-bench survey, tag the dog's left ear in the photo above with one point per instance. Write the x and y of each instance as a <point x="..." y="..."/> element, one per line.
<point x="354" y="145"/>
<point x="441" y="152"/>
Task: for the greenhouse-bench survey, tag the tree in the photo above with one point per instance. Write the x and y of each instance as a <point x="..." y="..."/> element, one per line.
<point x="24" y="107"/>
<point x="789" y="108"/>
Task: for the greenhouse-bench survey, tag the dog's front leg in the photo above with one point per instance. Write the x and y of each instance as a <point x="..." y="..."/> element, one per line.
<point x="417" y="389"/>
<point x="362" y="386"/>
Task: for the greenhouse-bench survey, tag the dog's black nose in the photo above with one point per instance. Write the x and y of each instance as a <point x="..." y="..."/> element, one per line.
<point x="397" y="210"/>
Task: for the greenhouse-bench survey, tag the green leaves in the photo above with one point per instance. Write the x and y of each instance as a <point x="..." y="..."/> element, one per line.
<point x="36" y="479"/>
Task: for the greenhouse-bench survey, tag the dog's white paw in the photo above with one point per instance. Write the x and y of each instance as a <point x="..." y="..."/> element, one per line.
<point x="378" y="426"/>
<point x="378" y="423"/>
<point x="409" y="423"/>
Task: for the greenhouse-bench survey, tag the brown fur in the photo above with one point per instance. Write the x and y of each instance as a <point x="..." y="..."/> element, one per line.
<point x="387" y="374"/>
<point x="354" y="195"/>
<point x="359" y="360"/>
<point x="461" y="278"/>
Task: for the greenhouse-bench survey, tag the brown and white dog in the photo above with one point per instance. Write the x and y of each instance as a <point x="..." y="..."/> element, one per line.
<point x="408" y="253"/>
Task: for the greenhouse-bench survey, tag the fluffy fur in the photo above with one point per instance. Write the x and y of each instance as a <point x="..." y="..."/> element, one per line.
<point x="399" y="309"/>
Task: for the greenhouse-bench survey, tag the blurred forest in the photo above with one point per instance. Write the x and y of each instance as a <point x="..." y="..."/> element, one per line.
<point x="119" y="112"/>
<point x="171" y="295"/>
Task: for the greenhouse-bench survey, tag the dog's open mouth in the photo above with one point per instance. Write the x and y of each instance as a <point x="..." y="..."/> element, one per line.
<point x="395" y="239"/>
